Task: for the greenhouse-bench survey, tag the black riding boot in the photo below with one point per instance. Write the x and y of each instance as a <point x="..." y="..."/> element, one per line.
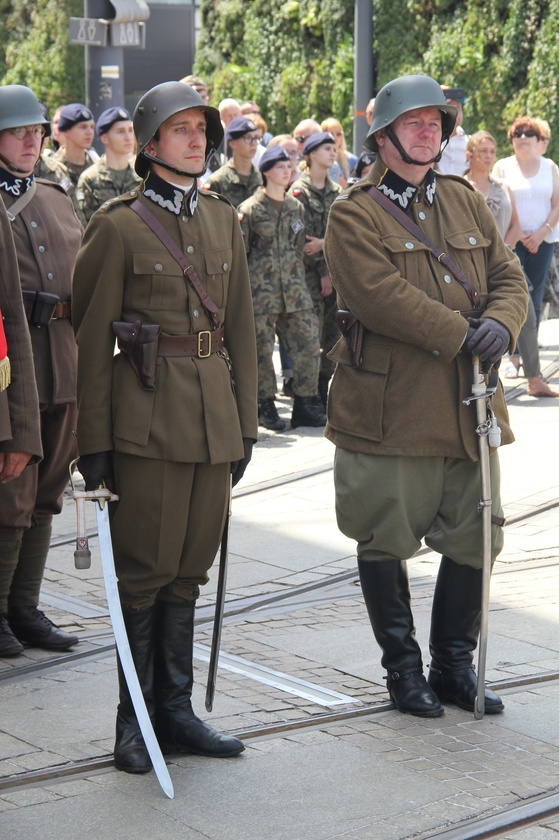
<point x="386" y="591"/>
<point x="307" y="411"/>
<point x="455" y="624"/>
<point x="178" y="728"/>
<point x="130" y="753"/>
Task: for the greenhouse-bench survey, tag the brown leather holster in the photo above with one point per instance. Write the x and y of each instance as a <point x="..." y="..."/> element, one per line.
<point x="352" y="330"/>
<point x="140" y="343"/>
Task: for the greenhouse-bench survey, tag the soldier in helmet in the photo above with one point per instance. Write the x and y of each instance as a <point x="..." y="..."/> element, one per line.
<point x="47" y="236"/>
<point x="112" y="174"/>
<point x="168" y="419"/>
<point x="406" y="463"/>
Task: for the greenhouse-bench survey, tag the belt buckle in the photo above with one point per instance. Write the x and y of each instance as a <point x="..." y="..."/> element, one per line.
<point x="200" y="353"/>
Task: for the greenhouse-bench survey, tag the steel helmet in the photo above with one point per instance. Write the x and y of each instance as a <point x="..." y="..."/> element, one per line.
<point x="405" y="94"/>
<point x="160" y="103"/>
<point x="19" y="107"/>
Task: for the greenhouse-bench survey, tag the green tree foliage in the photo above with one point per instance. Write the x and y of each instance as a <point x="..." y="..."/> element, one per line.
<point x="35" y="50"/>
<point x="295" y="57"/>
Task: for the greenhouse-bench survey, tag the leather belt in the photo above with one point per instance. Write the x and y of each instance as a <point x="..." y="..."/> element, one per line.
<point x="202" y="344"/>
<point x="62" y="310"/>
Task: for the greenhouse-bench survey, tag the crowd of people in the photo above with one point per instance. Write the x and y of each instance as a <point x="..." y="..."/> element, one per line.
<point x="110" y="245"/>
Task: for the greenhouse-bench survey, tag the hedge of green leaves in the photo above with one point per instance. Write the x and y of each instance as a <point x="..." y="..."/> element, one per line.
<point x="295" y="57"/>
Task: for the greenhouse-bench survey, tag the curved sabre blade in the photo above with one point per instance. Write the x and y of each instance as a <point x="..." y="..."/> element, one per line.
<point x="125" y="654"/>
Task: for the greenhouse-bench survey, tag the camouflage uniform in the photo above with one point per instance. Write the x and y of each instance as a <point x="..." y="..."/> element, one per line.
<point x="317" y="205"/>
<point x="59" y="169"/>
<point x="99" y="183"/>
<point x="274" y="244"/>
<point x="236" y="188"/>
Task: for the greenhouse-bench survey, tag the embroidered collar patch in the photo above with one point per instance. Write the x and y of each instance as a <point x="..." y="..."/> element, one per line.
<point x="15" y="186"/>
<point x="402" y="193"/>
<point x="170" y="197"/>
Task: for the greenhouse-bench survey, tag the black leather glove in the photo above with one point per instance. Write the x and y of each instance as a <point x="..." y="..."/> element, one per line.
<point x="238" y="467"/>
<point x="97" y="469"/>
<point x="487" y="339"/>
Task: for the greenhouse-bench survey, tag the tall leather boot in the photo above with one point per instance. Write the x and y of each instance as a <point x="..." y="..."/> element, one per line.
<point x="386" y="591"/>
<point x="130" y="753"/>
<point x="28" y="623"/>
<point x="10" y="546"/>
<point x="178" y="728"/>
<point x="455" y="625"/>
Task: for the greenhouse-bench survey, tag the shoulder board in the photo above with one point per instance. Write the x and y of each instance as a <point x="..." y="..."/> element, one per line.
<point x="47" y="183"/>
<point x="120" y="199"/>
<point x="207" y="193"/>
<point x="458" y="178"/>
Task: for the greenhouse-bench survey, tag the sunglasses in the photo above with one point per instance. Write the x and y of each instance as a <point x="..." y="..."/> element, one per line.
<point x="524" y="132"/>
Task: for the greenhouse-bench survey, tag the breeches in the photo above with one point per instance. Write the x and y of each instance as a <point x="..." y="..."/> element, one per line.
<point x="40" y="487"/>
<point x="299" y="330"/>
<point x="389" y="504"/>
<point x="166" y="527"/>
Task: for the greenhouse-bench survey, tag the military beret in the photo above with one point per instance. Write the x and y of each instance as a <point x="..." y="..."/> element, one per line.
<point x="316" y="140"/>
<point x="238" y="127"/>
<point x="109" y="117"/>
<point x="73" y="114"/>
<point x="271" y="156"/>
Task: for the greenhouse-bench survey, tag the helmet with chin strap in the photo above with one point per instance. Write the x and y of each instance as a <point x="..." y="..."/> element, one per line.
<point x="406" y="94"/>
<point x="20" y="107"/>
<point x="162" y="102"/>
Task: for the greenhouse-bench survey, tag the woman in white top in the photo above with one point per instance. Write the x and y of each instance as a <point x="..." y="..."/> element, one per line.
<point x="480" y="153"/>
<point x="534" y="183"/>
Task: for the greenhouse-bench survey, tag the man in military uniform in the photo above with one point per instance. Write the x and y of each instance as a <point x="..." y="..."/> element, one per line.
<point x="406" y="464"/>
<point x="47" y="236"/>
<point x="316" y="192"/>
<point x="171" y="432"/>
<point x="239" y="178"/>
<point x="112" y="174"/>
<point x="274" y="235"/>
<point x="20" y="434"/>
<point x="76" y="127"/>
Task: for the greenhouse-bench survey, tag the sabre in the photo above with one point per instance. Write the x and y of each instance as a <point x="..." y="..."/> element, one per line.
<point x="487" y="428"/>
<point x="101" y="496"/>
<point x="219" y="606"/>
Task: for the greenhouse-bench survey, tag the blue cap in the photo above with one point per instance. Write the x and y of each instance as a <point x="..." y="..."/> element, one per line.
<point x="73" y="114"/>
<point x="316" y="140"/>
<point x="111" y="116"/>
<point x="271" y="156"/>
<point x="238" y="127"/>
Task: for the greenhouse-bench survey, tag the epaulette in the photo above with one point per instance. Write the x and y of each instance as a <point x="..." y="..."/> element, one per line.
<point x="205" y="191"/>
<point x="120" y="199"/>
<point x="48" y="183"/>
<point x="458" y="178"/>
<point x="342" y="196"/>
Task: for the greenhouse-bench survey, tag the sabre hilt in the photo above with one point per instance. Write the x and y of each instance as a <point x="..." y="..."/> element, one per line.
<point x="82" y="554"/>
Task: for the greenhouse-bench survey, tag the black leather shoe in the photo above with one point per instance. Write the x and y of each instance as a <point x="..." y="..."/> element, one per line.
<point x="460" y="687"/>
<point x="31" y="626"/>
<point x="183" y="734"/>
<point x="9" y="645"/>
<point x="411" y="694"/>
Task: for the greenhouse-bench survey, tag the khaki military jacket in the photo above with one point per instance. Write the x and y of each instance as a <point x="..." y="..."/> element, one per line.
<point x="124" y="273"/>
<point x="227" y="182"/>
<point x="47" y="236"/>
<point x="407" y="396"/>
<point x="317" y="205"/>
<point x="274" y="244"/>
<point x="19" y="405"/>
<point x="100" y="183"/>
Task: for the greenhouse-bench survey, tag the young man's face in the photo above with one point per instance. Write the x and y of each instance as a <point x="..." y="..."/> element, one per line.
<point x="81" y="134"/>
<point x="182" y="142"/>
<point x="245" y="147"/>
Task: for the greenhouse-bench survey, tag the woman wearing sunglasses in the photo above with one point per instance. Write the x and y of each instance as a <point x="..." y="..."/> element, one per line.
<point x="534" y="183"/>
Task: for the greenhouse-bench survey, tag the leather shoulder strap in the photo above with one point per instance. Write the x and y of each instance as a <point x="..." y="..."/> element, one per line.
<point x="416" y="231"/>
<point x="22" y="202"/>
<point x="188" y="270"/>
